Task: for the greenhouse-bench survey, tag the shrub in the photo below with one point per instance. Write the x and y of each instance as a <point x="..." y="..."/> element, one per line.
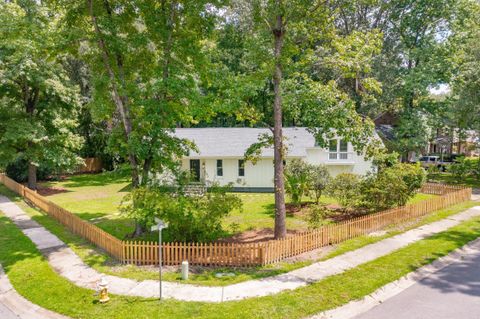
<point x="475" y="167"/>
<point x="383" y="160"/>
<point x="297" y="179"/>
<point x="320" y="178"/>
<point x="383" y="191"/>
<point x="345" y="188"/>
<point x="391" y="187"/>
<point x="190" y="218"/>
<point x="465" y="167"/>
<point x="317" y="215"/>
<point x="414" y="176"/>
<point x="432" y="172"/>
<point x="18" y="171"/>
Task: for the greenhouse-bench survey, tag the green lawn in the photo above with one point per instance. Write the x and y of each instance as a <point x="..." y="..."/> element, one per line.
<point x="100" y="261"/>
<point x="448" y="178"/>
<point x="96" y="198"/>
<point x="33" y="278"/>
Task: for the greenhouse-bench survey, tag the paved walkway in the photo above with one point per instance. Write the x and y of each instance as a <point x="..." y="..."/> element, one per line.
<point x="14" y="306"/>
<point x="70" y="266"/>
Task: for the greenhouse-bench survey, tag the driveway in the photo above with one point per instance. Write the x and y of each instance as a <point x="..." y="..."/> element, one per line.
<point x="453" y="292"/>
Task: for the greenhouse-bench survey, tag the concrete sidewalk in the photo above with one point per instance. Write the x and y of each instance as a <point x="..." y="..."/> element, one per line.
<point x="70" y="266"/>
<point x="14" y="306"/>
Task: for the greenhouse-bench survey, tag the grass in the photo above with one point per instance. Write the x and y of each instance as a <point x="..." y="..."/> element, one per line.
<point x="96" y="197"/>
<point x="33" y="278"/>
<point x="449" y="178"/>
<point x="100" y="261"/>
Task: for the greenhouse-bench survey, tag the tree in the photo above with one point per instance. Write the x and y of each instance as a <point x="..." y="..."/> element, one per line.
<point x="39" y="103"/>
<point x="297" y="179"/>
<point x="320" y="177"/>
<point x="464" y="100"/>
<point x="416" y="55"/>
<point x="149" y="71"/>
<point x="345" y="188"/>
<point x="285" y="40"/>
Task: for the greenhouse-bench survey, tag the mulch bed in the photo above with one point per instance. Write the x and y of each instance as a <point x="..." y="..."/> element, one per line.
<point x="48" y="191"/>
<point x="254" y="236"/>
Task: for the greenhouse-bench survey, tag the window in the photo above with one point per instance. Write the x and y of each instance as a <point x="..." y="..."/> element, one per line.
<point x="343" y="149"/>
<point x="343" y="146"/>
<point x="241" y="168"/>
<point x="338" y="149"/>
<point x="219" y="167"/>
<point x="332" y="147"/>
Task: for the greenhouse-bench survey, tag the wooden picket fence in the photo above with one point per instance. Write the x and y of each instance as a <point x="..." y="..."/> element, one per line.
<point x="277" y="250"/>
<point x="237" y="254"/>
<point x="75" y="224"/>
<point x="90" y="165"/>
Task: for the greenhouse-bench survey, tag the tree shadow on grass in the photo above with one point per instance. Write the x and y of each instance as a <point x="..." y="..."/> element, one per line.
<point x="15" y="247"/>
<point x="101" y="179"/>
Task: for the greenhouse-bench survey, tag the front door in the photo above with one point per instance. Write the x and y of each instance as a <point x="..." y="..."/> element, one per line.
<point x="195" y="170"/>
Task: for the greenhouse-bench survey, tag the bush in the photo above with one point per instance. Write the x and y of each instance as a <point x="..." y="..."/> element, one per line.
<point x="297" y="180"/>
<point x="320" y="178"/>
<point x="391" y="187"/>
<point x="317" y="215"/>
<point x="475" y="167"/>
<point x="465" y="167"/>
<point x="345" y="188"/>
<point x="414" y="176"/>
<point x="383" y="191"/>
<point x="18" y="171"/>
<point x="190" y="218"/>
<point x="432" y="172"/>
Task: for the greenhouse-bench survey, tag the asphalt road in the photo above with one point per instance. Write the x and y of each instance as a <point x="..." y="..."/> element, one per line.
<point x="453" y="292"/>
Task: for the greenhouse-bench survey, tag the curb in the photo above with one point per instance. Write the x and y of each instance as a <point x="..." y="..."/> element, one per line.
<point x="382" y="294"/>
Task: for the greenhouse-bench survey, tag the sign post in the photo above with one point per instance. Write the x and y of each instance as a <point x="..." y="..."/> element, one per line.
<point x="160" y="226"/>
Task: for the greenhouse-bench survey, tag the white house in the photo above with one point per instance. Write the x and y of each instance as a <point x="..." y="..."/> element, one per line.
<point x="220" y="156"/>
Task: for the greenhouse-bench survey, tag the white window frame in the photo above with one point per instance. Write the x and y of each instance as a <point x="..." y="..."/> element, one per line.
<point x="239" y="167"/>
<point x="338" y="154"/>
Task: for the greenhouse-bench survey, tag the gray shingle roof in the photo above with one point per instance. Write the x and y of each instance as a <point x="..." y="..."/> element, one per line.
<point x="233" y="142"/>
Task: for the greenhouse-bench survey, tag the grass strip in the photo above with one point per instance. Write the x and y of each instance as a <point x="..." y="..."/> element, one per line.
<point x="33" y="278"/>
<point x="102" y="262"/>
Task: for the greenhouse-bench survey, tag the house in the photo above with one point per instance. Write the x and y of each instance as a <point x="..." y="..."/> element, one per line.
<point x="467" y="143"/>
<point x="220" y="156"/>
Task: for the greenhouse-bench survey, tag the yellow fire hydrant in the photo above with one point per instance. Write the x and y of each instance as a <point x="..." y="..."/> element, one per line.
<point x="102" y="287"/>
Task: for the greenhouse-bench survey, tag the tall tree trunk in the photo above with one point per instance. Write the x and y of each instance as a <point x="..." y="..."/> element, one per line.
<point x="280" y="212"/>
<point x="31" y="100"/>
<point x="32" y="176"/>
<point x="120" y="98"/>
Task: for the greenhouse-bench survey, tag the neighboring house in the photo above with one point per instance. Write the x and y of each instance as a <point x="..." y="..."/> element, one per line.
<point x="221" y="151"/>
<point x="468" y="143"/>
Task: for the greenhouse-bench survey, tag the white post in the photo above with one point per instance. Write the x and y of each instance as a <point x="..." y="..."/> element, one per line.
<point x="185" y="270"/>
<point x="160" y="226"/>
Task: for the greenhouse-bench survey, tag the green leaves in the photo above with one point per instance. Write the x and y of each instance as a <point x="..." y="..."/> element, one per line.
<point x="38" y="103"/>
